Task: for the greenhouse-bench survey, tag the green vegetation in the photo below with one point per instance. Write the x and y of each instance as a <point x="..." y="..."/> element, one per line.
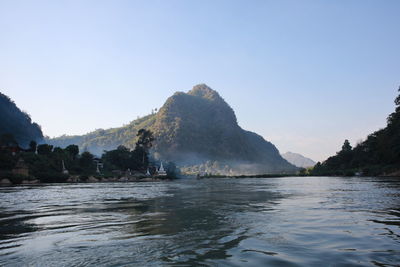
<point x="43" y="162"/>
<point x="138" y="159"/>
<point x="379" y="154"/>
<point x="99" y="140"/>
<point x="15" y="122"/>
<point x="46" y="163"/>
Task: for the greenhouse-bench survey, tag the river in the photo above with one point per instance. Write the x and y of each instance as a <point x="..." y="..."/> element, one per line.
<point x="294" y="221"/>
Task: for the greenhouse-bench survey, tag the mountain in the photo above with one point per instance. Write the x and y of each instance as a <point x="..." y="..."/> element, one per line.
<point x="379" y="154"/>
<point x="192" y="128"/>
<point x="18" y="123"/>
<point x="298" y="160"/>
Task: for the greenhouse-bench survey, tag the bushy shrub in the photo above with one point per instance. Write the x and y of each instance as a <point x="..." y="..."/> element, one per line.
<point x="83" y="178"/>
<point x="17" y="178"/>
<point x="51" y="177"/>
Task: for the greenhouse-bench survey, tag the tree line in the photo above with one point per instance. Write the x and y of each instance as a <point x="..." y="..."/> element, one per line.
<point x="45" y="162"/>
<point x="379" y="154"/>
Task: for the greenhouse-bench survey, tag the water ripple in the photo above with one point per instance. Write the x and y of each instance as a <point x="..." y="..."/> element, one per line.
<point x="215" y="222"/>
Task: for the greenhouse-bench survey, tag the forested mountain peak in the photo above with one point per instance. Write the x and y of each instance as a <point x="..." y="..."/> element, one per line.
<point x="193" y="128"/>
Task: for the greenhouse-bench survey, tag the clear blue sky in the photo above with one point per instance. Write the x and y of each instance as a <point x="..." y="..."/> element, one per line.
<point x="304" y="74"/>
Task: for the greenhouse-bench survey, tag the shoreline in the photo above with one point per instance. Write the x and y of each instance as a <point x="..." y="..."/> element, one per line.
<point x="4" y="182"/>
<point x="291" y="175"/>
<point x="89" y="180"/>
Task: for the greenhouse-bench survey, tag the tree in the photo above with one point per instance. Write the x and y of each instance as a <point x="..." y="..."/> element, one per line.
<point x="7" y="140"/>
<point x="378" y="154"/>
<point x="119" y="158"/>
<point x="397" y="100"/>
<point x="7" y="161"/>
<point x="58" y="150"/>
<point x="302" y="171"/>
<point x="172" y="170"/>
<point x="346" y="146"/>
<point x="86" y="161"/>
<point x="140" y="158"/>
<point x="145" y="139"/>
<point x="44" y="149"/>
<point x="395" y="116"/>
<point x="73" y="151"/>
<point x="57" y="156"/>
<point x="32" y="146"/>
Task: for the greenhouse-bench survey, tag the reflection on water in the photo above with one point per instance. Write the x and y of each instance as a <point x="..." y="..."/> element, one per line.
<point x="213" y="222"/>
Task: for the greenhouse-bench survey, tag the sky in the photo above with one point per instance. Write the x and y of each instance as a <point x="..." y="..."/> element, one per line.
<point x="306" y="75"/>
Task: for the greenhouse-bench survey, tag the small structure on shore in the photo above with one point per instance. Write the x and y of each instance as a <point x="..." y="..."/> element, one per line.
<point x="21" y="168"/>
<point x="161" y="171"/>
<point x="64" y="170"/>
<point x="99" y="165"/>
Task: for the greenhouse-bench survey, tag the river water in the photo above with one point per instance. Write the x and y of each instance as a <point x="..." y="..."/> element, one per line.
<point x="311" y="221"/>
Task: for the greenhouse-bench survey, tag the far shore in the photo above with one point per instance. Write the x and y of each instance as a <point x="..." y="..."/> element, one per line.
<point x="392" y="175"/>
<point x="90" y="179"/>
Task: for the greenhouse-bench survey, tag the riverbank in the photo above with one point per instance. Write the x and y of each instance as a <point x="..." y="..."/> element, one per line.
<point x="247" y="176"/>
<point x="90" y="179"/>
<point x="394" y="174"/>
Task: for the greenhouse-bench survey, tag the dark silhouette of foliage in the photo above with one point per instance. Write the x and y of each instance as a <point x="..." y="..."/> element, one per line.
<point x="7" y="140"/>
<point x="18" y="123"/>
<point x="171" y="169"/>
<point x="379" y="154"/>
<point x="73" y="151"/>
<point x="46" y="164"/>
<point x="346" y="146"/>
<point x="119" y="158"/>
<point x="138" y="159"/>
<point x="32" y="146"/>
<point x="145" y="139"/>
<point x="86" y="161"/>
<point x="44" y="149"/>
<point x="7" y="160"/>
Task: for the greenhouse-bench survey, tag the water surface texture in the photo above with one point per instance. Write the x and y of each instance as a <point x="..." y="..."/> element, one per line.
<point x="313" y="221"/>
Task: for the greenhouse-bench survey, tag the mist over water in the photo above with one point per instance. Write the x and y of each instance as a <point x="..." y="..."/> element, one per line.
<point x="311" y="221"/>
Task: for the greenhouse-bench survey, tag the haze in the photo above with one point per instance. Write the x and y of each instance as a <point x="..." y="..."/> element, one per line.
<point x="304" y="74"/>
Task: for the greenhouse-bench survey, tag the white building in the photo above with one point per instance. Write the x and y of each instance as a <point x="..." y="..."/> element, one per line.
<point x="161" y="171"/>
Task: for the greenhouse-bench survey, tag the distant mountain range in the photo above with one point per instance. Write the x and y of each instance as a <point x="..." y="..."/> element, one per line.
<point x="192" y="128"/>
<point x="18" y="123"/>
<point x="298" y="160"/>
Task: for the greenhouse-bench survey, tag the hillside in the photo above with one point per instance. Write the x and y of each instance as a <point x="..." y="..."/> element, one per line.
<point x="99" y="140"/>
<point x="18" y="123"/>
<point x="191" y="129"/>
<point x="379" y="154"/>
<point x="298" y="160"/>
